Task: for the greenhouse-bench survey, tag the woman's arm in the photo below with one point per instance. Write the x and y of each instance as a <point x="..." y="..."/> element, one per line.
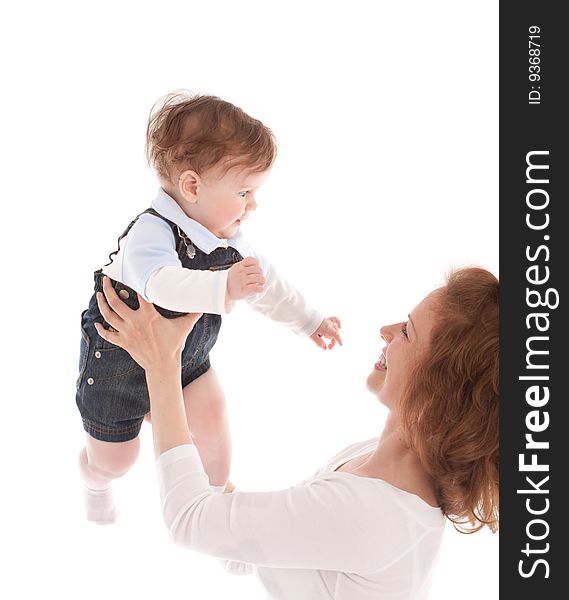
<point x="324" y="523"/>
<point x="332" y="522"/>
<point x="169" y="423"/>
<point x="156" y="344"/>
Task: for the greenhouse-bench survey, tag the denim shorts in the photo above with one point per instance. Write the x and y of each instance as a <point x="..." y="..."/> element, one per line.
<point x="112" y="396"/>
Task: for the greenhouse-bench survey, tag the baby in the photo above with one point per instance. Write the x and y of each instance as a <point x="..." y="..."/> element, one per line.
<point x="186" y="253"/>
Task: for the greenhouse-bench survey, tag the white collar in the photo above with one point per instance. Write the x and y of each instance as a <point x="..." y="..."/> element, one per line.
<point x="202" y="237"/>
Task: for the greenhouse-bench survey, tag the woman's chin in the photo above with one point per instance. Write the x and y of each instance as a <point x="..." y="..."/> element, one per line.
<point x="375" y="380"/>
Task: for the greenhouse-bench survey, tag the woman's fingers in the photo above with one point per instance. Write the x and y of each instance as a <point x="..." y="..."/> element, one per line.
<point x="110" y="316"/>
<point x="126" y="320"/>
<point x="113" y="300"/>
<point x="110" y="336"/>
<point x="144" y="305"/>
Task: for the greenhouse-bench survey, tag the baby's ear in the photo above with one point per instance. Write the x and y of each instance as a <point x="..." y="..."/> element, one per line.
<point x="188" y="184"/>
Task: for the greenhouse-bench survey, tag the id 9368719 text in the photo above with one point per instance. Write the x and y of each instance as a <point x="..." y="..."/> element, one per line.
<point x="534" y="76"/>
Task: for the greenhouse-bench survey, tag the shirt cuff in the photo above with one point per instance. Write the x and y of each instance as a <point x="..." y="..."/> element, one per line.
<point x="183" y="452"/>
<point x="312" y="324"/>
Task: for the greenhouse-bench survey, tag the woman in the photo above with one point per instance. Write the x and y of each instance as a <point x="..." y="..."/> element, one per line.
<point x="369" y="523"/>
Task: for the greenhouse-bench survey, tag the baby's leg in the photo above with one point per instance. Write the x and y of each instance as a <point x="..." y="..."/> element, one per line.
<point x="99" y="464"/>
<point x="207" y="417"/>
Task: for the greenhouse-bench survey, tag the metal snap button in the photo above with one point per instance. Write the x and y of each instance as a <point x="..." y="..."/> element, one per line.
<point x="190" y="251"/>
<point x="90" y="381"/>
<point x="124" y="294"/>
<point x="97" y="354"/>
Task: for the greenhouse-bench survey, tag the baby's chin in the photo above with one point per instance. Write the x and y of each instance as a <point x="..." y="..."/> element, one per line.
<point x="229" y="231"/>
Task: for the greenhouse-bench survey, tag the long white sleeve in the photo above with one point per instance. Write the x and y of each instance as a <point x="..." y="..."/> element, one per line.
<point x="333" y="521"/>
<point x="187" y="290"/>
<point x="148" y="262"/>
<point x="282" y="303"/>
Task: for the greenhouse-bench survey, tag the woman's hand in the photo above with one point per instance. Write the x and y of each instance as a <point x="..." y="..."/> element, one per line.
<point x="151" y="339"/>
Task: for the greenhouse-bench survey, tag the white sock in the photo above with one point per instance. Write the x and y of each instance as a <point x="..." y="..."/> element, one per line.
<point x="99" y="503"/>
<point x="100" y="506"/>
<point x="219" y="489"/>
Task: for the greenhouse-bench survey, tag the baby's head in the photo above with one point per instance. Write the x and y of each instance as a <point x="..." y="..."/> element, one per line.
<point x="210" y="156"/>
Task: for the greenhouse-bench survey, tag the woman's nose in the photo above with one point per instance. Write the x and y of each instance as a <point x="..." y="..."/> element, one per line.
<point x="387" y="332"/>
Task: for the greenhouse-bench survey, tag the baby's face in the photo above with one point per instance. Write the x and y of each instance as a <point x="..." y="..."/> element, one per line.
<point x="224" y="201"/>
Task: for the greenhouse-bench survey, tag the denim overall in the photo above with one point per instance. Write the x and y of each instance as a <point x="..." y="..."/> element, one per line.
<point x="112" y="396"/>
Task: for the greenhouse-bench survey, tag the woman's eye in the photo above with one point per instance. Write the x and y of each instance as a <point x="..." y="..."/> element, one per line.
<point x="404" y="329"/>
<point x="243" y="194"/>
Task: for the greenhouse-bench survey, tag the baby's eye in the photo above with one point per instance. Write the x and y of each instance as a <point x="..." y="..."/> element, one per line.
<point x="243" y="194"/>
<point x="404" y="329"/>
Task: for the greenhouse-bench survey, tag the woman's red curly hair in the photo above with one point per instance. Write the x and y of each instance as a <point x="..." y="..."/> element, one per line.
<point x="450" y="410"/>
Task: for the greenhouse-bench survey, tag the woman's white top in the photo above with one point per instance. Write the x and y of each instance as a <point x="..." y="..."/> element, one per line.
<point x="336" y="535"/>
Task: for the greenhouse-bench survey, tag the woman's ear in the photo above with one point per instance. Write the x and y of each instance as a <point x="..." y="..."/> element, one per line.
<point x="188" y="186"/>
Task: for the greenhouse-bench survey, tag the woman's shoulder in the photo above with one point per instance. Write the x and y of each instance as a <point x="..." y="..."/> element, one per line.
<point x="371" y="506"/>
<point x="346" y="454"/>
<point x="382" y="503"/>
<point x="374" y="489"/>
<point x="351" y="451"/>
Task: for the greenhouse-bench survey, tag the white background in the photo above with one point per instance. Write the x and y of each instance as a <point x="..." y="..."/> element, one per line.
<point x="386" y="117"/>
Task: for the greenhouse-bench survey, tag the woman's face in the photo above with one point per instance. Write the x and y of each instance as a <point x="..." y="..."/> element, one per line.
<point x="403" y="344"/>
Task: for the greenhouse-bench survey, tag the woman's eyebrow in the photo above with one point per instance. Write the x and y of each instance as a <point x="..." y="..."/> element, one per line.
<point x="411" y="321"/>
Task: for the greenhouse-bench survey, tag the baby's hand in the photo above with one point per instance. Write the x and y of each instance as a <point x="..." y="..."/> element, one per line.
<point x="330" y="329"/>
<point x="245" y="278"/>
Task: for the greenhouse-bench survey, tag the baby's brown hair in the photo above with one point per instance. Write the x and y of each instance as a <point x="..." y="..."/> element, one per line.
<point x="450" y="411"/>
<point x="198" y="132"/>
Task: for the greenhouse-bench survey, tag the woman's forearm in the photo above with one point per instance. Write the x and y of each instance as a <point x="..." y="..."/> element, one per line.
<point x="169" y="424"/>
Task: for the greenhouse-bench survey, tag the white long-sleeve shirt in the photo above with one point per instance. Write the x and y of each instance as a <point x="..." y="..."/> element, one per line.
<point x="334" y="536"/>
<point x="147" y="261"/>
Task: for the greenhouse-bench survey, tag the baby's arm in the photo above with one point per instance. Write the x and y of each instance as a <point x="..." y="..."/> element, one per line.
<point x="150" y="265"/>
<point x="205" y="291"/>
<point x="282" y="303"/>
<point x="186" y="290"/>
